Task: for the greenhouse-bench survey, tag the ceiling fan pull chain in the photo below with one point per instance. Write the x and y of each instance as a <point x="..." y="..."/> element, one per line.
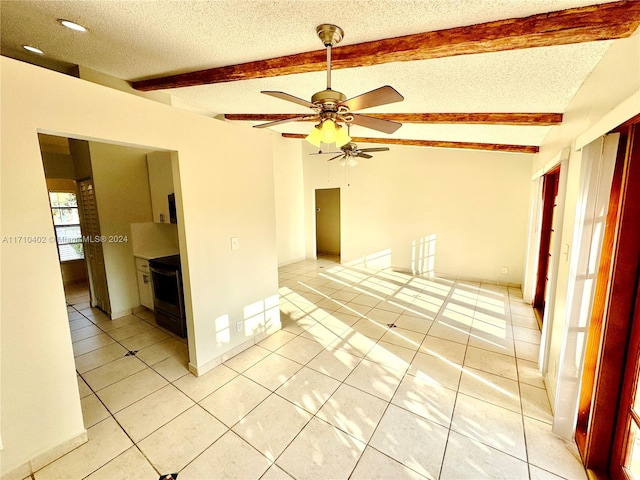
<point x="346" y="174"/>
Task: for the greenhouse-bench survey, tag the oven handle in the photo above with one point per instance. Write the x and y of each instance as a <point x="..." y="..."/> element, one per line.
<point x="162" y="271"/>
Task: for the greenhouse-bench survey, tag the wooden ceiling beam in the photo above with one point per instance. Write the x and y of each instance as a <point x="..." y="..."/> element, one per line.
<point x="494" y="147"/>
<point x="531" y="119"/>
<point x="575" y="25"/>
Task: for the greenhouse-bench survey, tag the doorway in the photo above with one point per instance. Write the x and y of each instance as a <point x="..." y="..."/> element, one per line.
<point x="328" y="221"/>
<point x="547" y="236"/>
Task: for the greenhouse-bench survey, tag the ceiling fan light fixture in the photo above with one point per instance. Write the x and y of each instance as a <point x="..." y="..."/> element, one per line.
<point x="329" y="130"/>
<point x="342" y="162"/>
<point x="314" y="137"/>
<point x="352" y="162"/>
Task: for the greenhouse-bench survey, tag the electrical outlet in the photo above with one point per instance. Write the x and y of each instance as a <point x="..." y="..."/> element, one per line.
<point x="239" y="326"/>
<point x="504" y="270"/>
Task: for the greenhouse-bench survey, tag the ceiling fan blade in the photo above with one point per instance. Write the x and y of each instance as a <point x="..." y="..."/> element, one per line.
<point x="382" y="149"/>
<point x="325" y="153"/>
<point x="278" y="122"/>
<point x="374" y="98"/>
<point x="289" y="98"/>
<point x="362" y="155"/>
<point x="385" y="126"/>
<point x="337" y="156"/>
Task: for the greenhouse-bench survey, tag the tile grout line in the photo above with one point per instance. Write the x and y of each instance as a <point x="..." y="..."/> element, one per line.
<point x="389" y="403"/>
<point x="406" y="371"/>
<point x="340" y="384"/>
<point x="515" y="356"/>
<point x="150" y="366"/>
<point x="325" y="348"/>
<point x="455" y="401"/>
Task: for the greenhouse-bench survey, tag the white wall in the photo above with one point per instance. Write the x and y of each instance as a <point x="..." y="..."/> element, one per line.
<point x="468" y="208"/>
<point x="121" y="183"/>
<point x="611" y="82"/>
<point x="603" y="96"/>
<point x="225" y="189"/>
<point x="289" y="196"/>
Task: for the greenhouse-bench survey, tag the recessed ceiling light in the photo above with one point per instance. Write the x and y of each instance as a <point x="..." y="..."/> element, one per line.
<point x="73" y="26"/>
<point x="33" y="49"/>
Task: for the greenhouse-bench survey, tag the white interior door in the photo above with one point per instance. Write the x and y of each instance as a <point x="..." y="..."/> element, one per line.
<point x="596" y="176"/>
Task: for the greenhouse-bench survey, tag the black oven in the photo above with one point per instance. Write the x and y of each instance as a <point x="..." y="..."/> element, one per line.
<point x="168" y="298"/>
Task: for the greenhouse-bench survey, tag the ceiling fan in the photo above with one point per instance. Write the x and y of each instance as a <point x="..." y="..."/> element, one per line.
<point x="331" y="107"/>
<point x="350" y="152"/>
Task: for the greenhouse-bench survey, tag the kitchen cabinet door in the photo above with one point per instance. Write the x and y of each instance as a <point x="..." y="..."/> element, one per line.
<point x="145" y="289"/>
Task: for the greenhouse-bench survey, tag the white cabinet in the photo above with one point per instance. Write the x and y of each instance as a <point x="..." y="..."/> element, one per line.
<point x="160" y="184"/>
<point x="144" y="283"/>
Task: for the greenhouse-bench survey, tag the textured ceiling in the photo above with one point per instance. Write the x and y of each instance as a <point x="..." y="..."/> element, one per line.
<point x="142" y="39"/>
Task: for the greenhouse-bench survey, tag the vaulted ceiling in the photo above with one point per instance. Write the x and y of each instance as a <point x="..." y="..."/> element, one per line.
<point x="474" y="63"/>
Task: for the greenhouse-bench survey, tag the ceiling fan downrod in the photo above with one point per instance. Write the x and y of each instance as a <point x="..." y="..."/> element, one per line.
<point x="330" y="35"/>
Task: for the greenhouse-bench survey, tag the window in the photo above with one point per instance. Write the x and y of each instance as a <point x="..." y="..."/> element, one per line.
<point x="66" y="221"/>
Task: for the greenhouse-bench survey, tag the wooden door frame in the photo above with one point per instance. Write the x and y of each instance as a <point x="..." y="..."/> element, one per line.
<point x="613" y="306"/>
<point x="619" y="451"/>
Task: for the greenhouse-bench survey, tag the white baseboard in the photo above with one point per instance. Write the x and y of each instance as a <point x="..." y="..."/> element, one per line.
<point x="18" y="473"/>
<point x="45" y="458"/>
<point x="199" y="370"/>
<point x="446" y="276"/>
<point x="122" y="313"/>
<point x="289" y="262"/>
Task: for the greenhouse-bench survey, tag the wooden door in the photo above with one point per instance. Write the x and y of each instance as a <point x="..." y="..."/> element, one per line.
<point x="93" y="246"/>
<point x="547" y="237"/>
<point x="328" y="221"/>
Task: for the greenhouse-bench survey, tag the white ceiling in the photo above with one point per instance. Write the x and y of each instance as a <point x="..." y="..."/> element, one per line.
<point x="136" y="40"/>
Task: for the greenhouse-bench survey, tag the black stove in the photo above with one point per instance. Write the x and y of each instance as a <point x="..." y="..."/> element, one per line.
<point x="168" y="296"/>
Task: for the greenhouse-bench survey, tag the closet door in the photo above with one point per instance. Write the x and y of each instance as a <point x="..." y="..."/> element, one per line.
<point x="93" y="247"/>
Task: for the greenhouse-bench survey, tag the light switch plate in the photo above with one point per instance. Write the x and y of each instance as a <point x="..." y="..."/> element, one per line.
<point x="235" y="244"/>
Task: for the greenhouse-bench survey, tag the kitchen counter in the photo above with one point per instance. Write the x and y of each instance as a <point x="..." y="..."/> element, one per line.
<point x="148" y="255"/>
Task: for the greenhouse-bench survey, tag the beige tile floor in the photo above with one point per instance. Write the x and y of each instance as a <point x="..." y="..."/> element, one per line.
<point x="375" y="375"/>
